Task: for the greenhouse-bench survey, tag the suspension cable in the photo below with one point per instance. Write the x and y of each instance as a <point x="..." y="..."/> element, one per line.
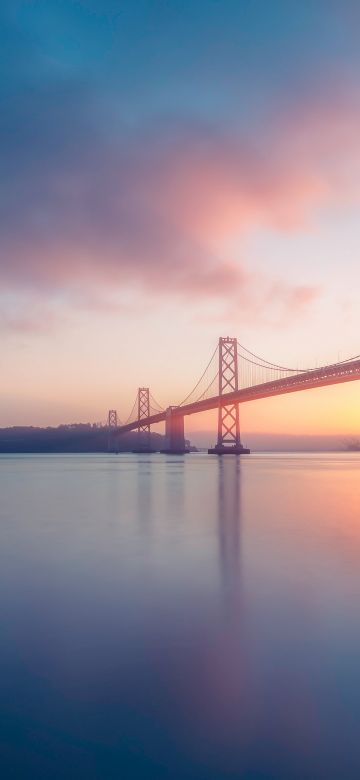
<point x="132" y="412"/>
<point x="208" y="388"/>
<point x="156" y="403"/>
<point x="201" y="378"/>
<point x="294" y="370"/>
<point x="341" y="362"/>
<point x="269" y="364"/>
<point x="269" y="367"/>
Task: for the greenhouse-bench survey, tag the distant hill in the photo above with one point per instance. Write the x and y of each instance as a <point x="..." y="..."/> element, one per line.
<point x="79" y="437"/>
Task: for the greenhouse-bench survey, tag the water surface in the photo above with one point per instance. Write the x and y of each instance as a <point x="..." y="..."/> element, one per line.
<point x="180" y="617"/>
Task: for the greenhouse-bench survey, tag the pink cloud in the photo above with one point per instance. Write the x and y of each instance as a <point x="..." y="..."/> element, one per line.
<point x="154" y="212"/>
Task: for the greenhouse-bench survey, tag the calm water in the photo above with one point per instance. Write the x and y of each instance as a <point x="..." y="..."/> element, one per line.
<point x="184" y="617"/>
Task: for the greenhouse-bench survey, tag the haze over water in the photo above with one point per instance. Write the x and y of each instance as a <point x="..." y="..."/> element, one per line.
<point x="181" y="617"/>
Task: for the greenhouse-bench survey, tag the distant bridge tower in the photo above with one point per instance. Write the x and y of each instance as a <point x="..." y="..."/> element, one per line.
<point x="228" y="441"/>
<point x="143" y="409"/>
<point x="112" y="425"/>
<point x="112" y="419"/>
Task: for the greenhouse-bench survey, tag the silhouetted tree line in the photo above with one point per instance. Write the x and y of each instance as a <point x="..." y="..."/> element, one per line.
<point x="76" y="437"/>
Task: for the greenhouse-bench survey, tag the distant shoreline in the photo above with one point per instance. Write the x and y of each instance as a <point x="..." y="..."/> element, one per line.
<point x="93" y="438"/>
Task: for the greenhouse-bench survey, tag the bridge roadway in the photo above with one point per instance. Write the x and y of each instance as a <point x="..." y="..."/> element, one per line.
<point x="321" y="377"/>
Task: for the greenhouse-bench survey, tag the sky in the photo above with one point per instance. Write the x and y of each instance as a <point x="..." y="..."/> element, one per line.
<point x="171" y="172"/>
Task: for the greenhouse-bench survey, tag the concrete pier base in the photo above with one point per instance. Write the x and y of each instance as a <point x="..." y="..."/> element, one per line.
<point x="174" y="434"/>
<point x="221" y="449"/>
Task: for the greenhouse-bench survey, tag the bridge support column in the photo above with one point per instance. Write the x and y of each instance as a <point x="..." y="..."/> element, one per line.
<point x="174" y="433"/>
<point x="228" y="442"/>
<point x="143" y="432"/>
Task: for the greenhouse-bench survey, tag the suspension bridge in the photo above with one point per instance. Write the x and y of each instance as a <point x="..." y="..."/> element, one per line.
<point x="233" y="375"/>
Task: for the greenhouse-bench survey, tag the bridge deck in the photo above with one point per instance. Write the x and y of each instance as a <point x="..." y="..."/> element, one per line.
<point x="322" y="377"/>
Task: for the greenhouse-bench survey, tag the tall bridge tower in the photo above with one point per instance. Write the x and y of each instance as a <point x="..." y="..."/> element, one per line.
<point x="143" y="430"/>
<point x="228" y="441"/>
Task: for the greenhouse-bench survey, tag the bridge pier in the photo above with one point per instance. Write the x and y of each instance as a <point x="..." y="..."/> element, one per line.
<point x="174" y="433"/>
<point x="228" y="442"/>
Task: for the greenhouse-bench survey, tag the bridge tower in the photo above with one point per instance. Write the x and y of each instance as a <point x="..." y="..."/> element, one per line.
<point x="228" y="442"/>
<point x="143" y="431"/>
<point x="112" y="424"/>
<point x="174" y="433"/>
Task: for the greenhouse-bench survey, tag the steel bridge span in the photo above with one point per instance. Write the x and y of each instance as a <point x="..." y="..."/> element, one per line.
<point x="228" y="398"/>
